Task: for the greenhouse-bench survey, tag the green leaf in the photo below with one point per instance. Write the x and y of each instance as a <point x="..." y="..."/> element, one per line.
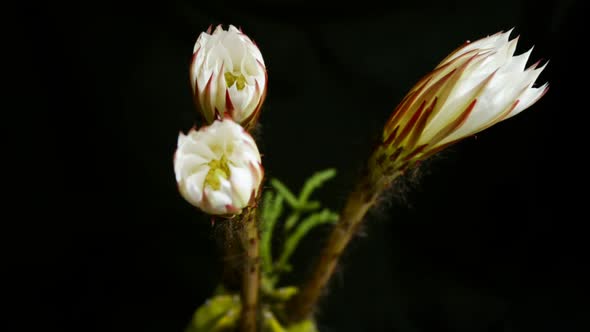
<point x="272" y="208"/>
<point x="294" y="227"/>
<point x="291" y="221"/>
<point x="285" y="192"/>
<point x="227" y="322"/>
<point x="214" y="312"/>
<point x="316" y="219"/>
<point x="282" y="294"/>
<point x="270" y="323"/>
<point x="314" y="182"/>
<point x="304" y="326"/>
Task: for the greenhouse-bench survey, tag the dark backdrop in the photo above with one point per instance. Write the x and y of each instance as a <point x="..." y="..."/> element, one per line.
<point x="489" y="239"/>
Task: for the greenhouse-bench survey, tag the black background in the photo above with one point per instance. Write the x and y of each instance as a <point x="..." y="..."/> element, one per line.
<point x="98" y="239"/>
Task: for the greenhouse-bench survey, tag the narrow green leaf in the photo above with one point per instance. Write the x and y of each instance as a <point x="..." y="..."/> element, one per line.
<point x="270" y="322"/>
<point x="305" y="326"/>
<point x="314" y="182"/>
<point x="291" y="221"/>
<point x="271" y="210"/>
<point x="208" y="315"/>
<point x="285" y="192"/>
<point x="316" y="219"/>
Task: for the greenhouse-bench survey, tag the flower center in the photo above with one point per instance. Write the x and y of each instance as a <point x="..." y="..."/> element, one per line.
<point x="238" y="79"/>
<point x="218" y="169"/>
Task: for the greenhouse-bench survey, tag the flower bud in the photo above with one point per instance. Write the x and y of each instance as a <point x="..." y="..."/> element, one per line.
<point x="228" y="75"/>
<point x="475" y="87"/>
<point x="218" y="167"/>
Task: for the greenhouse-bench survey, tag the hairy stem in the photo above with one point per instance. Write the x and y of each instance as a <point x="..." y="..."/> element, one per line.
<point x="232" y="256"/>
<point x="251" y="271"/>
<point x="359" y="201"/>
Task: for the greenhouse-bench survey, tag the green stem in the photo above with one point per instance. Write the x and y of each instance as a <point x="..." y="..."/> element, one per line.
<point x="251" y="272"/>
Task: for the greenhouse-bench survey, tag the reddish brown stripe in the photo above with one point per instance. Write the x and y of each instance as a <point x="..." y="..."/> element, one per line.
<point x="405" y="105"/>
<point x="206" y="102"/>
<point x="453" y="125"/>
<point x="410" y="125"/>
<point x="421" y="123"/>
<point x="415" y="152"/>
<point x="396" y="154"/>
<point x="391" y="137"/>
<point x="427" y="95"/>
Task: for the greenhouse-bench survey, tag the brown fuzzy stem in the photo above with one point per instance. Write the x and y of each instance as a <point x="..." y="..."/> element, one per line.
<point x="232" y="257"/>
<point x="251" y="272"/>
<point x="357" y="205"/>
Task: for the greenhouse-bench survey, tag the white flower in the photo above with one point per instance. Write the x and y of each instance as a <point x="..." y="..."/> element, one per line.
<point x="228" y="75"/>
<point x="218" y="167"/>
<point x="475" y="87"/>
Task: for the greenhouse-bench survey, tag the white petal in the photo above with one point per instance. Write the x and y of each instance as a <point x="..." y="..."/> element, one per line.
<point x="492" y="103"/>
<point x="198" y="148"/>
<point x="186" y="165"/>
<point x="518" y="63"/>
<point x="240" y="99"/>
<point x="217" y="200"/>
<point x="217" y="56"/>
<point x="218" y="30"/>
<point x="232" y="28"/>
<point x="251" y="68"/>
<point x="512" y="46"/>
<point x="531" y="74"/>
<point x="181" y="139"/>
<point x="243" y="156"/>
<point x="201" y="40"/>
<point x="202" y="76"/>
<point x="449" y="109"/>
<point x="242" y="182"/>
<point x="218" y="94"/>
<point x="528" y="98"/>
<point x="235" y="49"/>
<point x="491" y="42"/>
<point x="192" y="188"/>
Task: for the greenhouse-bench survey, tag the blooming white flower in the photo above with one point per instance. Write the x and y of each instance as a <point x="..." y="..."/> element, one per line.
<point x="475" y="87"/>
<point x="228" y="75"/>
<point x="218" y="167"/>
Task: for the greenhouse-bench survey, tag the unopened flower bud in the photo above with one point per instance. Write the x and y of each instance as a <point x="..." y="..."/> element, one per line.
<point x="475" y="87"/>
<point x="228" y="75"/>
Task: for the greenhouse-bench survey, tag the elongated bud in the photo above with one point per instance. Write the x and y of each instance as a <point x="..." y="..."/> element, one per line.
<point x="218" y="168"/>
<point x="475" y="87"/>
<point x="228" y="76"/>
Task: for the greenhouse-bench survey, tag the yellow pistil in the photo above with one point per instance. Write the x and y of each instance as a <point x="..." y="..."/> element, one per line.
<point x="217" y="169"/>
<point x="238" y="79"/>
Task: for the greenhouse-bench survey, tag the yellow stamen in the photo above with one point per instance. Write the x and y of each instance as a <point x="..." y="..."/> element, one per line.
<point x="218" y="169"/>
<point x="238" y="79"/>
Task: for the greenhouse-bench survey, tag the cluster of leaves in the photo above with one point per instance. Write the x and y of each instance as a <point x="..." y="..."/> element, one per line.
<point x="222" y="311"/>
<point x="303" y="217"/>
